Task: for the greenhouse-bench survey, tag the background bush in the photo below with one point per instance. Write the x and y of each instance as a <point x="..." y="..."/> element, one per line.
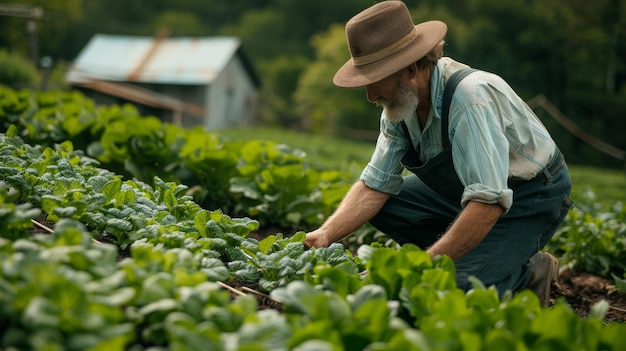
<point x="16" y="71"/>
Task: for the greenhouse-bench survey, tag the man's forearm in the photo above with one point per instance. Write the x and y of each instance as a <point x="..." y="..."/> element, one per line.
<point x="468" y="230"/>
<point x="358" y="206"/>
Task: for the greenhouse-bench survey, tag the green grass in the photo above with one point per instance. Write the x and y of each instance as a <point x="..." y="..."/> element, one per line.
<point x="604" y="188"/>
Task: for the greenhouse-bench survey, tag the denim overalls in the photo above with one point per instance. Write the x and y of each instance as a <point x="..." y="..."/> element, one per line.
<point x="430" y="200"/>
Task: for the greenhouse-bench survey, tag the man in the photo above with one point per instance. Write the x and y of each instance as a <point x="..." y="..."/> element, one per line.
<point x="490" y="191"/>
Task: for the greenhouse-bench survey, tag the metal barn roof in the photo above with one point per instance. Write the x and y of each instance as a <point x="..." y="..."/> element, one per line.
<point x="193" y="61"/>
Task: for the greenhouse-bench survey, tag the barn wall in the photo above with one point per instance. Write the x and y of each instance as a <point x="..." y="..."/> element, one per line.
<point x="232" y="98"/>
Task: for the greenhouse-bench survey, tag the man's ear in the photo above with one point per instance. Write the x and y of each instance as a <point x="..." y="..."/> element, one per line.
<point x="412" y="70"/>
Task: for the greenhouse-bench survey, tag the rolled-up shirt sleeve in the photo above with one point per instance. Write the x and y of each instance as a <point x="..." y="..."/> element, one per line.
<point x="482" y="193"/>
<point x="384" y="171"/>
<point x="480" y="152"/>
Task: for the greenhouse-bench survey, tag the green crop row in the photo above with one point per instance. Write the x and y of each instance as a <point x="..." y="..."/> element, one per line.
<point x="67" y="185"/>
<point x="65" y="292"/>
<point x="157" y="287"/>
<point x="260" y="179"/>
<point x="264" y="180"/>
<point x="153" y="281"/>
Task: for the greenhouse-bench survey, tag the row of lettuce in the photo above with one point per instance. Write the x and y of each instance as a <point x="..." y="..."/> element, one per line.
<point x="157" y="286"/>
<point x="259" y="179"/>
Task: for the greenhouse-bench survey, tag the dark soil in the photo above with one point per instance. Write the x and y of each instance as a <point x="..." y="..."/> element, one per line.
<point x="582" y="290"/>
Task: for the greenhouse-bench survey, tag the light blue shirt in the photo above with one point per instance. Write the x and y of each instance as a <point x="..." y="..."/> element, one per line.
<point x="494" y="135"/>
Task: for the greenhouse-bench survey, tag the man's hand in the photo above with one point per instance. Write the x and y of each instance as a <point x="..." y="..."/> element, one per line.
<point x="317" y="238"/>
<point x="358" y="206"/>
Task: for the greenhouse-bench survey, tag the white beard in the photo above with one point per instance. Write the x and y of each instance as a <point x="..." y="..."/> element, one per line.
<point x="403" y="105"/>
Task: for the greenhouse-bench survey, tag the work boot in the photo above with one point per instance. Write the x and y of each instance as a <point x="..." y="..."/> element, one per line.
<point x="545" y="270"/>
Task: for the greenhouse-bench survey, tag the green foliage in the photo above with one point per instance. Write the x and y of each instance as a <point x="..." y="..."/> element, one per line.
<point x="260" y="179"/>
<point x="431" y="312"/>
<point x="142" y="146"/>
<point x="17" y="71"/>
<point x="571" y="52"/>
<point x="66" y="291"/>
<point x="593" y="242"/>
<point x="280" y="79"/>
<point x="49" y="292"/>
<point x="15" y="219"/>
<point x="274" y="183"/>
<point x="278" y="37"/>
<point x="323" y="107"/>
<point x="50" y="33"/>
<point x="179" y="23"/>
<point x="597" y="190"/>
<point x="65" y="185"/>
<point x="593" y="236"/>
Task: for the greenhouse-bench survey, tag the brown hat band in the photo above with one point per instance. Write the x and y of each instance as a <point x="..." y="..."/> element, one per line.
<point x="380" y="54"/>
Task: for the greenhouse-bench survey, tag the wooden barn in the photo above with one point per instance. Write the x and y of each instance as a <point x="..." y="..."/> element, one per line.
<point x="206" y="81"/>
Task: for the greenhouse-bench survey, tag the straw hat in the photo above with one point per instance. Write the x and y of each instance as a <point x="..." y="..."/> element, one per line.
<point x="382" y="40"/>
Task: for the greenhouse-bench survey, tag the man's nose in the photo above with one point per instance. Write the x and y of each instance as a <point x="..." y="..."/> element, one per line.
<point x="372" y="93"/>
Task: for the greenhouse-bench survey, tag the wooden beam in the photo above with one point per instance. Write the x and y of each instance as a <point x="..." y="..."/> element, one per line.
<point x="161" y="35"/>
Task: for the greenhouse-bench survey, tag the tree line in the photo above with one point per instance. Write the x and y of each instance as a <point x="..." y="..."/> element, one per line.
<point x="573" y="52"/>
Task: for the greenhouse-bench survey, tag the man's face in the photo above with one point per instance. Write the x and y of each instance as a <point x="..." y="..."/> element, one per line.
<point x="396" y="95"/>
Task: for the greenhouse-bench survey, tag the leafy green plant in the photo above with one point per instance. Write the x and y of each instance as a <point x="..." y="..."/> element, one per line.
<point x="15" y="219"/>
<point x="125" y="212"/>
<point x="261" y="179"/>
<point x="142" y="146"/>
<point x="274" y="183"/>
<point x="211" y="164"/>
<point x="593" y="243"/>
<point x="431" y="313"/>
<point x="66" y="292"/>
<point x="49" y="298"/>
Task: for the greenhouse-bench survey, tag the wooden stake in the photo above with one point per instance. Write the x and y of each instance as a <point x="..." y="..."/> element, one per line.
<point x="41" y="226"/>
<point x="231" y="289"/>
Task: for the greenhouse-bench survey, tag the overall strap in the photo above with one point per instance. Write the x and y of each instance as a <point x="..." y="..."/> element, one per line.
<point x="448" y="91"/>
